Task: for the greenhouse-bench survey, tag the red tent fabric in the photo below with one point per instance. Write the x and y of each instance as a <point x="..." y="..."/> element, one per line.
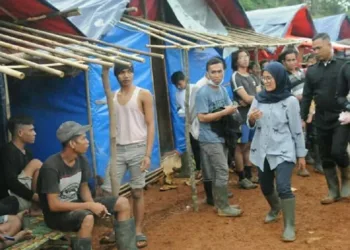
<point x="151" y="8"/>
<point x="23" y="9"/>
<point x="345" y="29"/>
<point x="230" y="12"/>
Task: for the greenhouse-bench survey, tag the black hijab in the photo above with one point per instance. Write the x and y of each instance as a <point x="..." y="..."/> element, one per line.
<point x="283" y="84"/>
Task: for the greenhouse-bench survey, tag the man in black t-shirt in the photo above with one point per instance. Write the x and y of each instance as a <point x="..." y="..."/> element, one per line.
<point x="20" y="170"/>
<point x="66" y="199"/>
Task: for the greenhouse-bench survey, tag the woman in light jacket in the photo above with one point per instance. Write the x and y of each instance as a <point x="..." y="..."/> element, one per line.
<point x="278" y="144"/>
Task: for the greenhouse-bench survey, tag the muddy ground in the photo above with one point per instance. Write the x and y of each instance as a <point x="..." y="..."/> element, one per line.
<point x="170" y="224"/>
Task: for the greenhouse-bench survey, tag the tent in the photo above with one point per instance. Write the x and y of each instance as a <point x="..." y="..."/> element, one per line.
<point x="283" y="21"/>
<point x="51" y="101"/>
<point x="337" y="26"/>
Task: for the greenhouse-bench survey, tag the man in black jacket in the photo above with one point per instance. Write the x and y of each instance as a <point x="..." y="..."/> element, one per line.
<point x="21" y="170"/>
<point x="332" y="137"/>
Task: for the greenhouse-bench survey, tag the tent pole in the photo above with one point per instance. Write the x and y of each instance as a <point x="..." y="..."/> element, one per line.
<point x="112" y="138"/>
<point x="91" y="133"/>
<point x="187" y="133"/>
<point x="7" y="103"/>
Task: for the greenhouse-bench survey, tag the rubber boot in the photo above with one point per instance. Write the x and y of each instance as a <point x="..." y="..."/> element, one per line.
<point x="288" y="210"/>
<point x="248" y="172"/>
<point x="81" y="244"/>
<point x="309" y="160"/>
<point x="345" y="182"/>
<point x="318" y="163"/>
<point x="221" y="201"/>
<point x="125" y="234"/>
<point x="208" y="192"/>
<point x="333" y="186"/>
<point x="275" y="205"/>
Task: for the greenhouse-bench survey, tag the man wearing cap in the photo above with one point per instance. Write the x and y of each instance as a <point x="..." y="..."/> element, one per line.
<point x="66" y="199"/>
<point x="135" y="136"/>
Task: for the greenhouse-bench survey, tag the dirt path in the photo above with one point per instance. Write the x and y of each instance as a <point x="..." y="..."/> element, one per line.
<point x="171" y="225"/>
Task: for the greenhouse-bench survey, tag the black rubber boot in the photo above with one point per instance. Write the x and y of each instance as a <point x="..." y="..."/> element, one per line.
<point x="81" y="244"/>
<point x="345" y="182"/>
<point x="248" y="172"/>
<point x="209" y="192"/>
<point x="318" y="163"/>
<point x="333" y="186"/>
<point x="125" y="234"/>
<point x="275" y="205"/>
<point x="288" y="209"/>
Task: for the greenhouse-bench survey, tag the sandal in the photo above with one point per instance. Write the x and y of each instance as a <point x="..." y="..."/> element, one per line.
<point x="141" y="241"/>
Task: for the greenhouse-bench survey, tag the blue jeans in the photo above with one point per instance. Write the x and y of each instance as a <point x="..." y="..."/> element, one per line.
<point x="283" y="179"/>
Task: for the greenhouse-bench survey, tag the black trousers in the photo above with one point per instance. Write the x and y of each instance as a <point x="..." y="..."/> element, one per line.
<point x="196" y="152"/>
<point x="333" y="145"/>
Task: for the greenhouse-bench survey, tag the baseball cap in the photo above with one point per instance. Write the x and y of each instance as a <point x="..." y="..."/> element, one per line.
<point x="69" y="129"/>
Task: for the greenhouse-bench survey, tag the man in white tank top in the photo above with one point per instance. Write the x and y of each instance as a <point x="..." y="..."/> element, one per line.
<point x="135" y="136"/>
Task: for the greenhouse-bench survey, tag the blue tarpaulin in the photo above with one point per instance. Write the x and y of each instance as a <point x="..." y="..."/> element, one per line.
<point x="197" y="63"/>
<point x="331" y="25"/>
<point x="52" y="101"/>
<point x="130" y="38"/>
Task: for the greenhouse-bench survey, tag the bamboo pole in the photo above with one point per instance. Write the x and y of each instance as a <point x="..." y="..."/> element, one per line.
<point x="73" y="41"/>
<point x="32" y="64"/>
<point x="140" y="52"/>
<point x="42" y="55"/>
<point x="26" y="66"/>
<point x="89" y="116"/>
<point x="8" y="106"/>
<point x="187" y="133"/>
<point x="173" y="29"/>
<point x="12" y="72"/>
<point x="58" y="44"/>
<point x="54" y="51"/>
<point x="162" y="46"/>
<point x="112" y="137"/>
<point x="67" y="13"/>
<point x="152" y="34"/>
<point x="160" y="32"/>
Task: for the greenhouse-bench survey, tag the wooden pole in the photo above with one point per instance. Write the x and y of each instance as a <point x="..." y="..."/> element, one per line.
<point x="160" y="32"/>
<point x="12" y="72"/>
<point x="42" y="55"/>
<point x="92" y="138"/>
<point x="7" y="103"/>
<point x="152" y="34"/>
<point x="187" y="133"/>
<point x="32" y="64"/>
<point x="73" y="41"/>
<point x="112" y="137"/>
<point x="140" y="52"/>
<point x="67" y="46"/>
<point x="67" y="13"/>
<point x="54" y="51"/>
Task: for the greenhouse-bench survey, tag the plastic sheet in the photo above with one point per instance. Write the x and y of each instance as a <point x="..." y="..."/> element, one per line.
<point x="97" y="16"/>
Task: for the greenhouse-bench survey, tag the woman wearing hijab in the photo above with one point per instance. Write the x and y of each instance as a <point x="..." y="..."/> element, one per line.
<point x="278" y="144"/>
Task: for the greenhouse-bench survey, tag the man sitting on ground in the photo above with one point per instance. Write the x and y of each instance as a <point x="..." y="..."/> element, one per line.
<point x="20" y="169"/>
<point x="10" y="230"/>
<point x="65" y="196"/>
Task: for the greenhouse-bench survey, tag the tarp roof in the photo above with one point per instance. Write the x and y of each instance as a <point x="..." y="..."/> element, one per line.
<point x="283" y="21"/>
<point x="23" y="9"/>
<point x="337" y="26"/>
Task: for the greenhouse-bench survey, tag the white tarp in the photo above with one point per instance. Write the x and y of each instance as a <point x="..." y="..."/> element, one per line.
<point x="97" y="16"/>
<point x="196" y="15"/>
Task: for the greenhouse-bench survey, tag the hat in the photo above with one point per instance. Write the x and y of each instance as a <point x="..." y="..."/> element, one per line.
<point x="69" y="129"/>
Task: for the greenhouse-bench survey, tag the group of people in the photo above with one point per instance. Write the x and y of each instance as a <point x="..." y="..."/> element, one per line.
<point x="58" y="188"/>
<point x="278" y="107"/>
<point x="264" y="128"/>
